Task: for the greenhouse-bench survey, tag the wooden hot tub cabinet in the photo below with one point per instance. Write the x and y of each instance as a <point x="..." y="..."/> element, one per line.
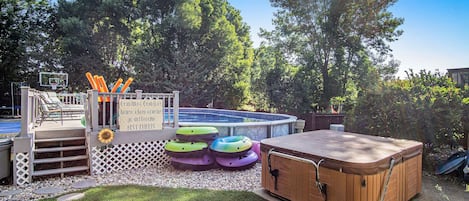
<point x="351" y="166"/>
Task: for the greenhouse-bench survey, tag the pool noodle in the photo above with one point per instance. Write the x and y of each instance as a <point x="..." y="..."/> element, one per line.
<point x="104" y="87"/>
<point x="118" y="83"/>
<point x="103" y="83"/>
<point x="98" y="84"/>
<point x="91" y="80"/>
<point x="126" y="85"/>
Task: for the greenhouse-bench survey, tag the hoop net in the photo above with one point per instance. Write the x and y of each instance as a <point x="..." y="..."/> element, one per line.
<point x="54" y="86"/>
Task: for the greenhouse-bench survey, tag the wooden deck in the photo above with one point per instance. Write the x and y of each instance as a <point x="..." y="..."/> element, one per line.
<point x="57" y="125"/>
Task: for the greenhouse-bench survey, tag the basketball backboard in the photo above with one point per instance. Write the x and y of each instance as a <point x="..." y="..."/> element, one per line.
<point x="47" y="79"/>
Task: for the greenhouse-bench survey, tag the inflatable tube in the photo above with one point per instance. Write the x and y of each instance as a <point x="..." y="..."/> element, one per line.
<point x="256" y="148"/>
<point x="231" y="146"/>
<point x="194" y="134"/>
<point x="466" y="171"/>
<point x="238" y="163"/>
<point x="205" y="162"/>
<point x="83" y="121"/>
<point x="452" y="163"/>
<point x="185" y="149"/>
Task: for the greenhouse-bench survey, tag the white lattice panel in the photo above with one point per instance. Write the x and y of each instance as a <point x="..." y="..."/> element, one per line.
<point x="128" y="156"/>
<point x="22" y="168"/>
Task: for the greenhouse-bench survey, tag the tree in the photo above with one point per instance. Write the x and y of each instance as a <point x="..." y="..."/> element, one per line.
<point x="198" y="47"/>
<point x="26" y="44"/>
<point x="334" y="38"/>
<point x="96" y="40"/>
<point x="426" y="107"/>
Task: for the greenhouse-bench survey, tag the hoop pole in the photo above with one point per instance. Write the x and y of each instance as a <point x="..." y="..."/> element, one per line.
<point x="12" y="100"/>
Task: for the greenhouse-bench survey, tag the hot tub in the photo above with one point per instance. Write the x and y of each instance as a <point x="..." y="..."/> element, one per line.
<point x="351" y="167"/>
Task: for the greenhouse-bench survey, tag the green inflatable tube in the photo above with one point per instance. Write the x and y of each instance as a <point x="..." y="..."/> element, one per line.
<point x="196" y="130"/>
<point x="185" y="149"/>
<point x="195" y="134"/>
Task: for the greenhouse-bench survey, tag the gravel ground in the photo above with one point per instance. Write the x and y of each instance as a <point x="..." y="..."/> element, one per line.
<point x="216" y="179"/>
<point x="433" y="187"/>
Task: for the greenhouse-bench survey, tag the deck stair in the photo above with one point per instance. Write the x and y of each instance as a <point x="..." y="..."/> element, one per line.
<point x="60" y="152"/>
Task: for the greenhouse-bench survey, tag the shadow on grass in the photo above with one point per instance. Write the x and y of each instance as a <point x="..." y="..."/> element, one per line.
<point x="140" y="193"/>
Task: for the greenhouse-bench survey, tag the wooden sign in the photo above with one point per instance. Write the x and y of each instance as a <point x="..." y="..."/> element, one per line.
<point x="139" y="115"/>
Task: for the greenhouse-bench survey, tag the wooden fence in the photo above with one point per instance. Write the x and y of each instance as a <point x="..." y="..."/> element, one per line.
<point x="314" y="121"/>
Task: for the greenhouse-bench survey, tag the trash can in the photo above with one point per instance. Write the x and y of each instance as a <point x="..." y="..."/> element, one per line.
<point x="5" y="163"/>
<point x="299" y="125"/>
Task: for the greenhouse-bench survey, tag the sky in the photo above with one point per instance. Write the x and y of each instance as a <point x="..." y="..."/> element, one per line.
<point x="436" y="32"/>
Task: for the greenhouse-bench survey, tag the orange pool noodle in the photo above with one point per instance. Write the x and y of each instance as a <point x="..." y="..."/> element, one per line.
<point x="103" y="84"/>
<point x="118" y="83"/>
<point x="104" y="87"/>
<point x="91" y="80"/>
<point x="126" y="85"/>
<point x="98" y="84"/>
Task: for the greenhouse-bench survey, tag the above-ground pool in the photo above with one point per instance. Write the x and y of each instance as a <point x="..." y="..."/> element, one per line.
<point x="255" y="125"/>
<point x="10" y="126"/>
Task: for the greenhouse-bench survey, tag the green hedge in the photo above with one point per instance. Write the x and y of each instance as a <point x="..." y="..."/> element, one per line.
<point x="426" y="107"/>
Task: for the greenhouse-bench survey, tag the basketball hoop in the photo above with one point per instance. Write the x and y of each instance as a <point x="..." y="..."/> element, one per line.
<point x="54" y="83"/>
<point x="54" y="86"/>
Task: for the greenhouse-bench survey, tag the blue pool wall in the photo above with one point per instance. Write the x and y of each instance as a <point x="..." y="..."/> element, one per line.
<point x="275" y="125"/>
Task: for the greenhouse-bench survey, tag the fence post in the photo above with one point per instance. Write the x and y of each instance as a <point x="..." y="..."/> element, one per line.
<point x="93" y="103"/>
<point x="313" y="121"/>
<point x="139" y="93"/>
<point x="175" y="109"/>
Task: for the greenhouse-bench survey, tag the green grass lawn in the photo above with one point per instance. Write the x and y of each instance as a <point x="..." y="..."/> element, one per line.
<point x="136" y="193"/>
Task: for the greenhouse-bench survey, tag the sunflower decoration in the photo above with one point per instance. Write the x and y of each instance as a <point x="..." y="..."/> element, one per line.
<point x="106" y="136"/>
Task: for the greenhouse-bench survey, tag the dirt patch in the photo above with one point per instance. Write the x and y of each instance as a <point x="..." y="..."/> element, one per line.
<point x="444" y="188"/>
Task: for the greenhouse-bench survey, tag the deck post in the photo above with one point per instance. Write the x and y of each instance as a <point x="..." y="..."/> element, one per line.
<point x="139" y="94"/>
<point x="22" y="145"/>
<point x="93" y="103"/>
<point x="25" y="114"/>
<point x="175" y="109"/>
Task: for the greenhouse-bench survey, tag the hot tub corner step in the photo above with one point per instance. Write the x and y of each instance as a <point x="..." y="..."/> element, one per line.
<point x="266" y="195"/>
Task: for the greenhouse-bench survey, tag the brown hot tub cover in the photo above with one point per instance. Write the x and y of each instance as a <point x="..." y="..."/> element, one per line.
<point x="345" y="152"/>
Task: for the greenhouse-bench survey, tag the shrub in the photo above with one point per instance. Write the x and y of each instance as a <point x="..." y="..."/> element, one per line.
<point x="426" y="107"/>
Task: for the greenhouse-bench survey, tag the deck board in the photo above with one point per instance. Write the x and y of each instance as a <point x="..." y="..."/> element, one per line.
<point x="56" y="125"/>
